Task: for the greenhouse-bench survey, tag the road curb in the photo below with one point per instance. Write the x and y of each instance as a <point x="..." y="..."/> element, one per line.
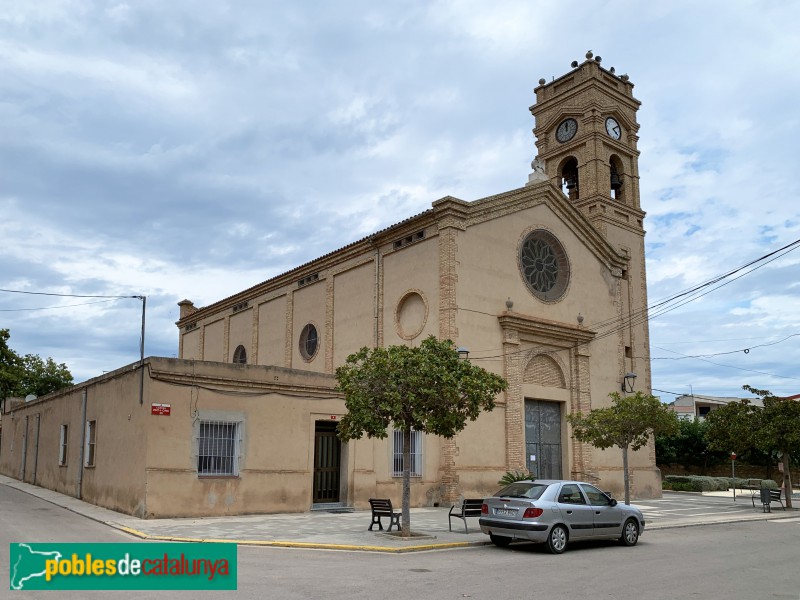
<point x="305" y="545"/>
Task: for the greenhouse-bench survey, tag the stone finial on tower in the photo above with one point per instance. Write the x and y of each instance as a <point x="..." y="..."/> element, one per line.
<point x="538" y="175"/>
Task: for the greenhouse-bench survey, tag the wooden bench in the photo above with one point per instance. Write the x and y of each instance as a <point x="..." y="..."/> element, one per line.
<point x="382" y="507"/>
<point x="470" y="507"/>
<point x="774" y="496"/>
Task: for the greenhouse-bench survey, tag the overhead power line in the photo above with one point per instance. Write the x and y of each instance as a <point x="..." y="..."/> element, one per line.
<point x="64" y="295"/>
<point x="62" y="306"/>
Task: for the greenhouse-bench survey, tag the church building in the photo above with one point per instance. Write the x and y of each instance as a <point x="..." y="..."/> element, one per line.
<point x="544" y="285"/>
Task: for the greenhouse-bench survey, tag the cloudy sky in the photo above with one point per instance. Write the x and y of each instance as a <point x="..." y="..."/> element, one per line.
<point x="192" y="149"/>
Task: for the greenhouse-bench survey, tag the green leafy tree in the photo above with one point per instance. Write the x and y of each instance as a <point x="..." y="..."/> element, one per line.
<point x="10" y="367"/>
<point x="775" y="429"/>
<point x="734" y="427"/>
<point x="428" y="389"/>
<point x="627" y="424"/>
<point x="29" y="374"/>
<point x="41" y="377"/>
<point x="689" y="447"/>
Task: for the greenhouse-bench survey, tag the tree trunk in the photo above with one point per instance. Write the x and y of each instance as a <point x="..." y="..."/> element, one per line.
<point x="406" y="517"/>
<point x="787" y="480"/>
<point x="625" y="476"/>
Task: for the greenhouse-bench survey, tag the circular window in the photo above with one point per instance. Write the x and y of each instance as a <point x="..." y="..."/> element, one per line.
<point x="544" y="265"/>
<point x="309" y="342"/>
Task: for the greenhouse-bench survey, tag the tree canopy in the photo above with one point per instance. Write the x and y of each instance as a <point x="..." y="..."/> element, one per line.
<point x="29" y="374"/>
<point x="688" y="447"/>
<point x="427" y="388"/>
<point x="627" y="423"/>
<point x="775" y="429"/>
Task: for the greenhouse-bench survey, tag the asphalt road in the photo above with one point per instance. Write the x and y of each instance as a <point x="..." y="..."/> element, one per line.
<point x="739" y="560"/>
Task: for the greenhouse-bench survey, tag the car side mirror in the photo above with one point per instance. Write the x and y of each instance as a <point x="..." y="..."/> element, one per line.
<point x="612" y="502"/>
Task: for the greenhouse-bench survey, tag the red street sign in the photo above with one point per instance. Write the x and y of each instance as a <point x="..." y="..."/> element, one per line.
<point x="334" y="417"/>
<point x="733" y="455"/>
<point x="160" y="409"/>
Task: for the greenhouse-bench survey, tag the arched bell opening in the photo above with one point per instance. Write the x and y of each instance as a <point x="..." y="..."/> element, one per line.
<point x="569" y="178"/>
<point x="616" y="178"/>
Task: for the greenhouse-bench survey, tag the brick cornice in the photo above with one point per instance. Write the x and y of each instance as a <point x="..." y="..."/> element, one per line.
<point x="559" y="334"/>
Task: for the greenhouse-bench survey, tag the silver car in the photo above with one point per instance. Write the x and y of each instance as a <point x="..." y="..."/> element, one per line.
<point x="556" y="512"/>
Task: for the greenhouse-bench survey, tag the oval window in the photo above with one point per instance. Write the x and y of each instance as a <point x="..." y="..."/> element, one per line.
<point x="309" y="342"/>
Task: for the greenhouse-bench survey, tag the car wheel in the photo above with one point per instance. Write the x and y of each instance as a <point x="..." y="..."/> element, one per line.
<point x="557" y="540"/>
<point x="500" y="540"/>
<point x="630" y="533"/>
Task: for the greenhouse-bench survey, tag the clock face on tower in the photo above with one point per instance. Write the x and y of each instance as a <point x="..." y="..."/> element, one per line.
<point x="566" y="130"/>
<point x="612" y="128"/>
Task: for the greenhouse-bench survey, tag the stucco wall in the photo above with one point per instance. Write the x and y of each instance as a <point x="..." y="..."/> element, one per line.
<point x="117" y="480"/>
<point x="272" y="332"/>
<point x="413" y="269"/>
<point x="354" y="311"/>
<point x="309" y="306"/>
<point x="240" y="333"/>
<point x="214" y="341"/>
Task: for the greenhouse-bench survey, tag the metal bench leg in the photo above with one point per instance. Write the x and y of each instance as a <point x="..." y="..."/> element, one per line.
<point x="394" y="520"/>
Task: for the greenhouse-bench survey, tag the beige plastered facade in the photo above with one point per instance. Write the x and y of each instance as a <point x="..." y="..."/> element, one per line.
<point x="454" y="272"/>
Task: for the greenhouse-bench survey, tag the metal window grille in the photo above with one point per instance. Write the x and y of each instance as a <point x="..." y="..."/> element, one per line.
<point x="62" y="445"/>
<point x="218" y="446"/>
<point x="397" y="453"/>
<point x="91" y="442"/>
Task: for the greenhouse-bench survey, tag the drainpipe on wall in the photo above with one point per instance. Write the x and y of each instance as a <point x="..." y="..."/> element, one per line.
<point x="79" y="495"/>
<point x="376" y="305"/>
<point x="36" y="449"/>
<point x="141" y="354"/>
<point x="24" y="451"/>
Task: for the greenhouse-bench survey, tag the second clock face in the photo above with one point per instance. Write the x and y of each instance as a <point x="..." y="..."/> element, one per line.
<point x="566" y="130"/>
<point x="612" y="128"/>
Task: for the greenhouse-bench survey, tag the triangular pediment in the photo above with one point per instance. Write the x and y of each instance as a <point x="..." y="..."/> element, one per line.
<point x="466" y="214"/>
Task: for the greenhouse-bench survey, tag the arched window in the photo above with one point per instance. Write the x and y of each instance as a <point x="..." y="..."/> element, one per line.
<point x="616" y="178"/>
<point x="569" y="178"/>
<point x="240" y="355"/>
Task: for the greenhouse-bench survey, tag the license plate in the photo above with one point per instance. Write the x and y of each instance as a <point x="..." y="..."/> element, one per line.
<point x="505" y="512"/>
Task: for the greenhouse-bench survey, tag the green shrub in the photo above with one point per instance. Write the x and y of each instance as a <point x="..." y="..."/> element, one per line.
<point x="696" y="483"/>
<point x="679" y="486"/>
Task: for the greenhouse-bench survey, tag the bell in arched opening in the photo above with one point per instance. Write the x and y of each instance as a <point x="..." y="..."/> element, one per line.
<point x="569" y="177"/>
<point x="616" y="180"/>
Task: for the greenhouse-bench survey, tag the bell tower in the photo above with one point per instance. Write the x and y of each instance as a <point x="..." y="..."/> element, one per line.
<point x="586" y="137"/>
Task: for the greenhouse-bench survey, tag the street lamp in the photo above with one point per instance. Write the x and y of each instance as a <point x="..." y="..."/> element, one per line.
<point x="627" y="382"/>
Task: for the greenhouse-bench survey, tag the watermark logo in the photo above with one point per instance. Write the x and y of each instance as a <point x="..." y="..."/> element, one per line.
<point x="139" y="566"/>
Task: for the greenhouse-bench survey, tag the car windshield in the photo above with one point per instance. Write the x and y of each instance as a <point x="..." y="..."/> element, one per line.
<point x="522" y="490"/>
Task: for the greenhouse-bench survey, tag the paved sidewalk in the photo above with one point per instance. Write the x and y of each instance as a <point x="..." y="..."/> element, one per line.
<point x="348" y="531"/>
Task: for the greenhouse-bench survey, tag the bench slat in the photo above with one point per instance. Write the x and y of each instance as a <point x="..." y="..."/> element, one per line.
<point x="382" y="507"/>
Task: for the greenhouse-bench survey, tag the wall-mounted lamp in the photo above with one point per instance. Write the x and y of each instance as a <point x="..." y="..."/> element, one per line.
<point x="627" y="382"/>
<point x="463" y="353"/>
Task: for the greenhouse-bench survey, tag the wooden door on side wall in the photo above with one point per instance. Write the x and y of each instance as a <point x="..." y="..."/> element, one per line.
<point x="543" y="438"/>
<point x="327" y="457"/>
